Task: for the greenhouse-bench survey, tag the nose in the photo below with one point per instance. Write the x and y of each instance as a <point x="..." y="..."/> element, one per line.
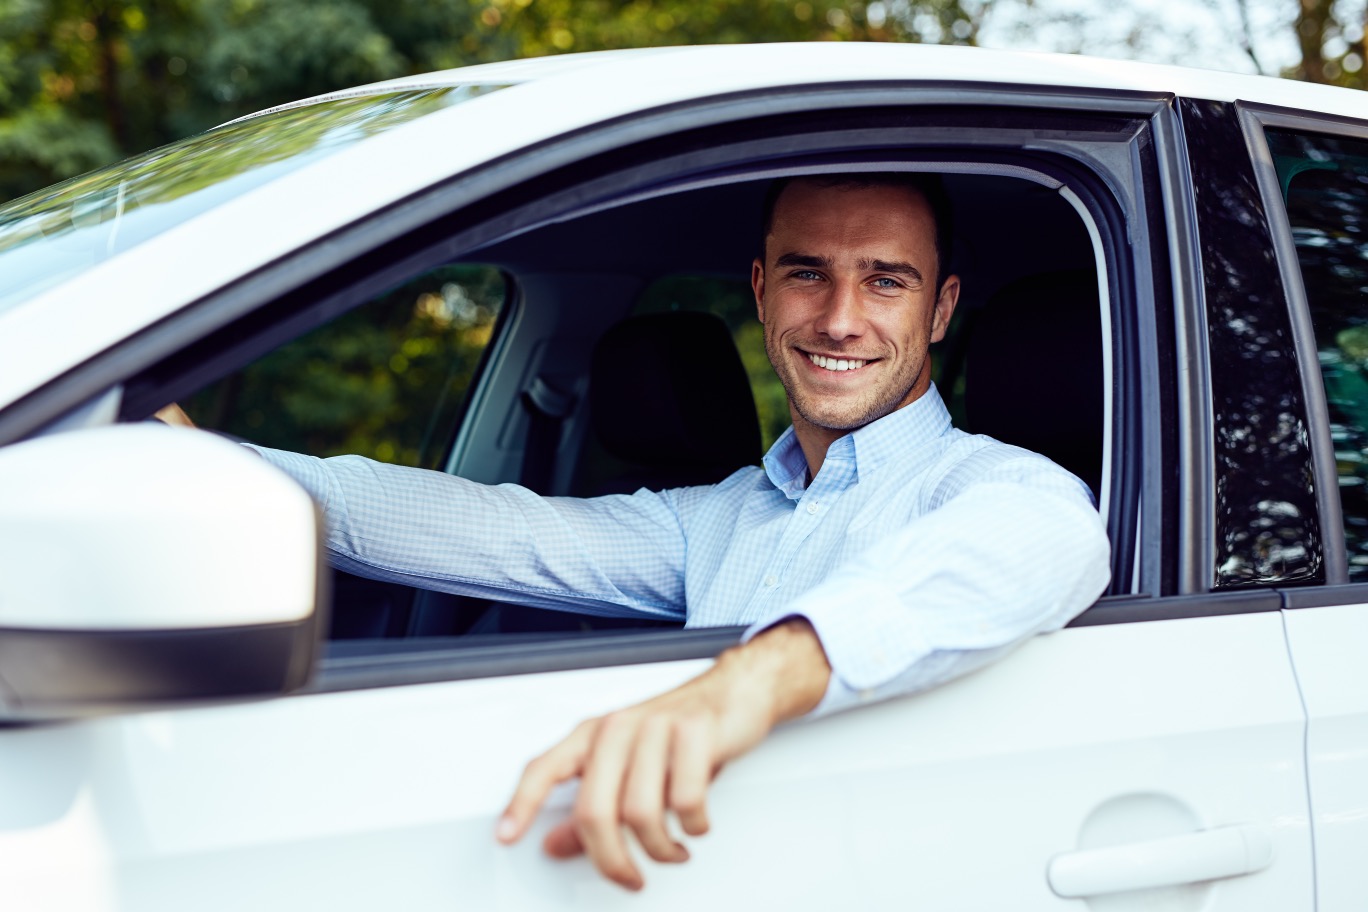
<point x="842" y="314"/>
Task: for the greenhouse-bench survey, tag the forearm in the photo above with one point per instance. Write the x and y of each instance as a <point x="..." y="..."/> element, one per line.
<point x="437" y="531"/>
<point x="785" y="663"/>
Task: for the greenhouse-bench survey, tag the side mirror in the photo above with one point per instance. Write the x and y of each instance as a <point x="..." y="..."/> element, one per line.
<point x="143" y="566"/>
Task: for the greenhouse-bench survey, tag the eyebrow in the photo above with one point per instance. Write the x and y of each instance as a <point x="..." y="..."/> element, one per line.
<point x="897" y="268"/>
<point x="866" y="265"/>
<point x="803" y="259"/>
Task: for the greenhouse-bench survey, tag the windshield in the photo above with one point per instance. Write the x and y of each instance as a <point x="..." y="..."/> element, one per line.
<point x="52" y="235"/>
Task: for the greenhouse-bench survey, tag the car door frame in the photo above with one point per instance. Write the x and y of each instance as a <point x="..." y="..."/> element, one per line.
<point x="1321" y="619"/>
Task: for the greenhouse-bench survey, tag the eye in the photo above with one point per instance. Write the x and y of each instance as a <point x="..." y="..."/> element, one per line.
<point x="806" y="275"/>
<point x="886" y="282"/>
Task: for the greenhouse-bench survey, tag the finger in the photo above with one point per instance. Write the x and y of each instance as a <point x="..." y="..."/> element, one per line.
<point x="560" y="763"/>
<point x="691" y="770"/>
<point x="173" y="415"/>
<point x="643" y="797"/>
<point x="563" y="841"/>
<point x="597" y="812"/>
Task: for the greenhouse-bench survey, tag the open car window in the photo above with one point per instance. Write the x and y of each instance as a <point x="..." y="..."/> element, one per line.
<point x="467" y="346"/>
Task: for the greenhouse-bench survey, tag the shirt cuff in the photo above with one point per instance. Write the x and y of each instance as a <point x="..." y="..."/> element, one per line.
<point x="862" y="656"/>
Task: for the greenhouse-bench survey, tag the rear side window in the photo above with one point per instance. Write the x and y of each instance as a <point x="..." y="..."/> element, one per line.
<point x="1324" y="181"/>
<point x="387" y="380"/>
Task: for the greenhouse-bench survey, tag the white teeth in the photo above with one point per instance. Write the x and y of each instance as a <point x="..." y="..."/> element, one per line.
<point x="837" y="364"/>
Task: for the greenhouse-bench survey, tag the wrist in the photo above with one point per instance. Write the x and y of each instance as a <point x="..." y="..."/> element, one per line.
<point x="785" y="663"/>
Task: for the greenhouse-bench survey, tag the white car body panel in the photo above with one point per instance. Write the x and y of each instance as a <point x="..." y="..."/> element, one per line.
<point x="1327" y="648"/>
<point x="388" y="797"/>
<point x="108" y="303"/>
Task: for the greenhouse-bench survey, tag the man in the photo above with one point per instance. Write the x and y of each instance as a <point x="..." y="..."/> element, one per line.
<point x="879" y="551"/>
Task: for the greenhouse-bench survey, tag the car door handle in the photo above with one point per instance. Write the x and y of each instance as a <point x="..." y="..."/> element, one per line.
<point x="1189" y="858"/>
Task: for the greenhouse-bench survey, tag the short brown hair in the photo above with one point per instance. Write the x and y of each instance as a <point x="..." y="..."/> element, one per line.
<point x="927" y="184"/>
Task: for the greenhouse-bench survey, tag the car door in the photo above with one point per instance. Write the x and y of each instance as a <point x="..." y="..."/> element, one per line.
<point x="1163" y="726"/>
<point x="1314" y="176"/>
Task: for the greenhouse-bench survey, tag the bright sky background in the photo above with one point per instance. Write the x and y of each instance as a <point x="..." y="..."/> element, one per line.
<point x="1202" y="33"/>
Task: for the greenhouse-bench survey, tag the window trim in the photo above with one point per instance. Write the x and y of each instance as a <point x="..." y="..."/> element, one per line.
<point x="351" y="665"/>
<point x="1196" y="510"/>
<point x="1254" y="120"/>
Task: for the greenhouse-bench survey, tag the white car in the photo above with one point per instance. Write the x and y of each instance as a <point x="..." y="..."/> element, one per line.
<point x="1166" y="290"/>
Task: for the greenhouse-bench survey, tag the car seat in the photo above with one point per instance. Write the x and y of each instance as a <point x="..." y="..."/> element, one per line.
<point x="670" y="403"/>
<point x="1033" y="370"/>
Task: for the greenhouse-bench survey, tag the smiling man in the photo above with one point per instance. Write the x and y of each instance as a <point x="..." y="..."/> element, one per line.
<point x="878" y="552"/>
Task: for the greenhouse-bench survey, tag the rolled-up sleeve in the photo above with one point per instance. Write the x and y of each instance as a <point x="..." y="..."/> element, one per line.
<point x="1004" y="550"/>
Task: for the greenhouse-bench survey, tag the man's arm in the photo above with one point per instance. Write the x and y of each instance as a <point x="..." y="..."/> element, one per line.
<point x="618" y="556"/>
<point x="637" y="764"/>
<point x="1018" y="551"/>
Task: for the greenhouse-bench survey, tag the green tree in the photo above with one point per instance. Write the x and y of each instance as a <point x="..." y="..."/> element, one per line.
<point x="1332" y="45"/>
<point x="86" y="83"/>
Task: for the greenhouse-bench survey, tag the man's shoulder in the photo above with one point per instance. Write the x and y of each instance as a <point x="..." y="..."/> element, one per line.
<point x="970" y="459"/>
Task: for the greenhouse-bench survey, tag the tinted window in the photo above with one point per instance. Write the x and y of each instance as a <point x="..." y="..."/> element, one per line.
<point x="1325" y="185"/>
<point x="386" y="380"/>
<point x="54" y="234"/>
<point x="1267" y="520"/>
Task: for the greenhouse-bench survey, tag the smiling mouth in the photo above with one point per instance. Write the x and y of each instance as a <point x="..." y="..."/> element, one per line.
<point x="837" y="364"/>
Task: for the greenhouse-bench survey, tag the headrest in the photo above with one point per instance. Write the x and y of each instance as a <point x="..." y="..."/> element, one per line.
<point x="669" y="390"/>
<point x="1033" y="370"/>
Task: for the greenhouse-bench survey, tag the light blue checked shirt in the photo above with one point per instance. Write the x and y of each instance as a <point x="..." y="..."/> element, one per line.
<point x="918" y="553"/>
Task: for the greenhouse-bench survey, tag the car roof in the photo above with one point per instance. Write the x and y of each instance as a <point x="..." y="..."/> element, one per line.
<point x="963" y="64"/>
<point x="546" y="98"/>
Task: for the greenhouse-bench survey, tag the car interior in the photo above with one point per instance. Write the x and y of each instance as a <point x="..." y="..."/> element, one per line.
<point x="589" y="388"/>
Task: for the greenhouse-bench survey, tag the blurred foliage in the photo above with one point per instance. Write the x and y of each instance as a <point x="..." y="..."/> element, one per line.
<point x="86" y="83"/>
<point x="386" y="380"/>
<point x="1332" y="44"/>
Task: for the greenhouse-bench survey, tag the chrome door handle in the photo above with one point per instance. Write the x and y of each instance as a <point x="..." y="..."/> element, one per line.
<point x="1189" y="858"/>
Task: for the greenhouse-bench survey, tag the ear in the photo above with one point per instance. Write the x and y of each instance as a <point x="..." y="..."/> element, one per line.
<point x="758" y="287"/>
<point x="945" y="307"/>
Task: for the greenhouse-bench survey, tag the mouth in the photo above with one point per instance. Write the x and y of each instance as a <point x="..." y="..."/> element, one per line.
<point x="837" y="365"/>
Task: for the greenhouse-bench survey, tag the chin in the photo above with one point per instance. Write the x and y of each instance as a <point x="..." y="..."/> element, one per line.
<point x="840" y="419"/>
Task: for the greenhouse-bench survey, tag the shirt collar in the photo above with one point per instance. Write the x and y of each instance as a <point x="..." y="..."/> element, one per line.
<point x="902" y="434"/>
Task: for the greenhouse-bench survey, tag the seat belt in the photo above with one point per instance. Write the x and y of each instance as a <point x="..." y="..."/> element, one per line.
<point x="547" y="409"/>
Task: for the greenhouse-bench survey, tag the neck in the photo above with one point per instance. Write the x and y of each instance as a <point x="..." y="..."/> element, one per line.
<point x="814" y="441"/>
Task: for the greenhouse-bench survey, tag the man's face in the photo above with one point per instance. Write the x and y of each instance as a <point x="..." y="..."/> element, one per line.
<point x="848" y="299"/>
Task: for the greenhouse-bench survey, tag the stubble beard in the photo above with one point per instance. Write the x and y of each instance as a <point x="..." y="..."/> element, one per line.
<point x="847" y="413"/>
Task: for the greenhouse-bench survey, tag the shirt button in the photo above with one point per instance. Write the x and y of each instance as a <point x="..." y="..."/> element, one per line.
<point x="866" y="694"/>
<point x="812" y="508"/>
<point x="771" y="581"/>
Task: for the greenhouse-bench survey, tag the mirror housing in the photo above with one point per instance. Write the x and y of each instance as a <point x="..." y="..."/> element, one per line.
<point x="143" y="566"/>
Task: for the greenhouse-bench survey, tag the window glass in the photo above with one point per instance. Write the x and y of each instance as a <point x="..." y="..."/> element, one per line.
<point x="54" y="234"/>
<point x="1267" y="522"/>
<point x="386" y="380"/>
<point x="1325" y="185"/>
